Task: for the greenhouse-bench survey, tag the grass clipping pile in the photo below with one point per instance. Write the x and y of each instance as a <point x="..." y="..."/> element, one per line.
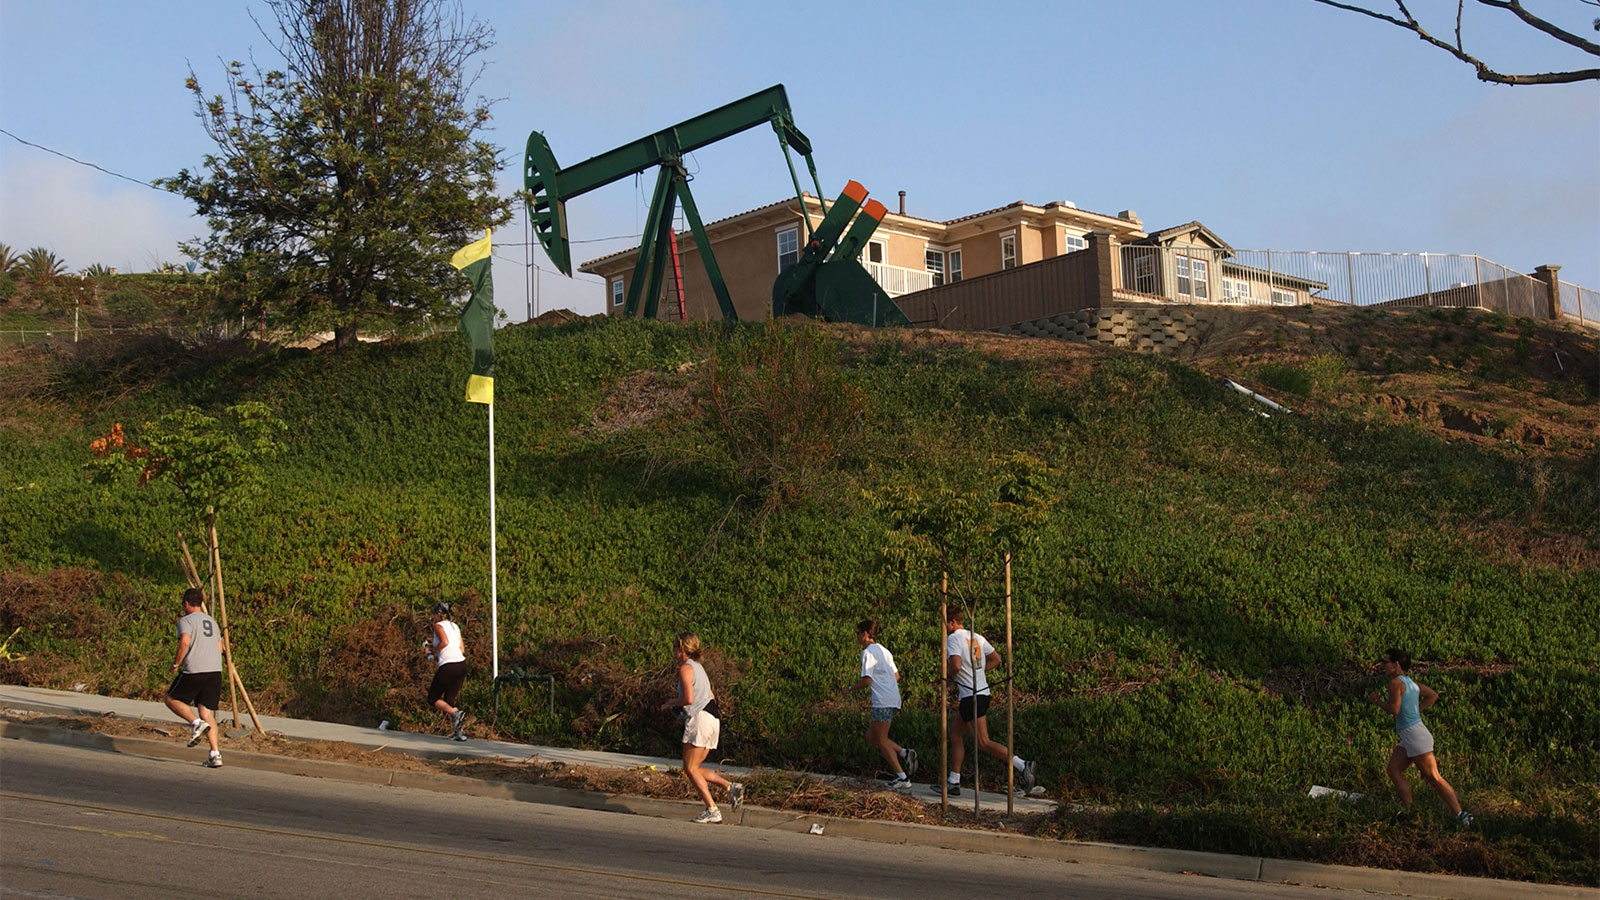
<point x="806" y="795"/>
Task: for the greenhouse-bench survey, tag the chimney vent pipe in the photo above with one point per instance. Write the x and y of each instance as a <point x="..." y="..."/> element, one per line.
<point x="902" y="203"/>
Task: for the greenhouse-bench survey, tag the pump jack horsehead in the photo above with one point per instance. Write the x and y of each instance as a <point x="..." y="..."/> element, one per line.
<point x="828" y="281"/>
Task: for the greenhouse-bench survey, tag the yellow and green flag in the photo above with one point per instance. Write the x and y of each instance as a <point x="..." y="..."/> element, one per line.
<point x="477" y="319"/>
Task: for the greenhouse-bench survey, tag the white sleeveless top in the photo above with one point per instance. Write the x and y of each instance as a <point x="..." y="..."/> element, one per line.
<point x="451" y="651"/>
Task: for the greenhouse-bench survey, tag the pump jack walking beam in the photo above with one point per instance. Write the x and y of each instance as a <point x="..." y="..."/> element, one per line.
<point x="548" y="187"/>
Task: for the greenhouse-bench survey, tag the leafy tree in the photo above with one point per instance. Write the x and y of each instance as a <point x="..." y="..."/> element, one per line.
<point x="213" y="464"/>
<point x="1457" y="48"/>
<point x="965" y="531"/>
<point x="341" y="184"/>
<point x="41" y="265"/>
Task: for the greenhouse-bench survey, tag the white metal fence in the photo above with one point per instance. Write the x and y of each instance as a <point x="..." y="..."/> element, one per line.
<point x="1580" y="303"/>
<point x="897" y="280"/>
<point x="1296" y="277"/>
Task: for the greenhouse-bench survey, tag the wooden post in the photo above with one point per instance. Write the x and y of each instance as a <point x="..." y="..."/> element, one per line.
<point x="1011" y="703"/>
<point x="944" y="696"/>
<point x="222" y="614"/>
<point x="972" y="651"/>
<point x="190" y="573"/>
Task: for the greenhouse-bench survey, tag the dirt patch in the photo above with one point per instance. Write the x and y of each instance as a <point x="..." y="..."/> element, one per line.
<point x="639" y="400"/>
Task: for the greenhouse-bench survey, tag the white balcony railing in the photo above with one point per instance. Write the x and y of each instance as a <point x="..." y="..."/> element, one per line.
<point x="896" y="280"/>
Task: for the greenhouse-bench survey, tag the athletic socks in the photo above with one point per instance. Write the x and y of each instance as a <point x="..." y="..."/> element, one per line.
<point x="1018" y="763"/>
<point x="955" y="778"/>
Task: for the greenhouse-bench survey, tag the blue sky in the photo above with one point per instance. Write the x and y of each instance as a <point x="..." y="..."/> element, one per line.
<point x="1280" y="124"/>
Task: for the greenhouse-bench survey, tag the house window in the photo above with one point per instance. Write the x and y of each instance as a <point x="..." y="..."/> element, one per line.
<point x="1236" y="290"/>
<point x="1008" y="251"/>
<point x="1144" y="274"/>
<point x="1193" y="280"/>
<point x="955" y="266"/>
<point x="933" y="261"/>
<point x="616" y="292"/>
<point x="875" y="251"/>
<point x="1075" y="243"/>
<point x="1283" y="298"/>
<point x="788" y="247"/>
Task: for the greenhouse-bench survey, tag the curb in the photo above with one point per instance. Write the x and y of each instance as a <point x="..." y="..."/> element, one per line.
<point x="1219" y="865"/>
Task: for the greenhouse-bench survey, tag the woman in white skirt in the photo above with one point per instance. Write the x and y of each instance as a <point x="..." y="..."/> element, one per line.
<point x="1406" y="700"/>
<point x="702" y="727"/>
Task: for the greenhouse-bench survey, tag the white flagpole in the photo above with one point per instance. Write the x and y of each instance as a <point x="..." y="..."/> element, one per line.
<point x="494" y="571"/>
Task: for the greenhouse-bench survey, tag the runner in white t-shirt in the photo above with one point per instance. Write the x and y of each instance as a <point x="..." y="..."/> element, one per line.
<point x="879" y="671"/>
<point x="967" y="656"/>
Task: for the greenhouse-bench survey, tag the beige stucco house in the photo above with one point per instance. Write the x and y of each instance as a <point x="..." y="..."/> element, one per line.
<point x="906" y="253"/>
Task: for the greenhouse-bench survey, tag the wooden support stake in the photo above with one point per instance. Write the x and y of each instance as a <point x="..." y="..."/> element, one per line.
<point x="190" y="573"/>
<point x="222" y="616"/>
<point x="944" y="696"/>
<point x="1011" y="704"/>
<point x="973" y="651"/>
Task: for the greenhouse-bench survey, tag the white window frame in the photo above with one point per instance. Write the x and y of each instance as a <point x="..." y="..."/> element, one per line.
<point x="1074" y="242"/>
<point x="1180" y="275"/>
<point x="1236" y="289"/>
<point x="781" y="233"/>
<point x="953" y="263"/>
<point x="1283" y="297"/>
<point x="1201" y="272"/>
<point x="618" y="292"/>
<point x="1008" y="239"/>
<point x="933" y="262"/>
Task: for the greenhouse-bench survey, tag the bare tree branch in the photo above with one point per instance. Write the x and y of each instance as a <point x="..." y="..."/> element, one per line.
<point x="1409" y="22"/>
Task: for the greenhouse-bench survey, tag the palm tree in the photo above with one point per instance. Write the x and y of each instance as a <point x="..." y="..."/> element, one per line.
<point x="98" y="270"/>
<point x="8" y="258"/>
<point x="41" y="265"/>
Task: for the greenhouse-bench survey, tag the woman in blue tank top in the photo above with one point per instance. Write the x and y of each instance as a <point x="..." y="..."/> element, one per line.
<point x="1406" y="700"/>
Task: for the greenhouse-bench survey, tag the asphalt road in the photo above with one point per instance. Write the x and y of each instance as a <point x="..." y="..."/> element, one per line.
<point x="80" y="823"/>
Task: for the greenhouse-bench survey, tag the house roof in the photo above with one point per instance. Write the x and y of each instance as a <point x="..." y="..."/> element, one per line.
<point x="1166" y="235"/>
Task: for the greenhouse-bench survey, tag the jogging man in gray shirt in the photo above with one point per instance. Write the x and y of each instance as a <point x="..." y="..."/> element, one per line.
<point x="200" y="682"/>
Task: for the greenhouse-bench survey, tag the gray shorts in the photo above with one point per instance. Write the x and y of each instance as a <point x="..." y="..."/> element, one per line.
<point x="1416" y="740"/>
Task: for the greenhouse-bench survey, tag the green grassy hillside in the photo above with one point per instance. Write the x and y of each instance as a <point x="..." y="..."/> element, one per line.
<point x="1193" y="635"/>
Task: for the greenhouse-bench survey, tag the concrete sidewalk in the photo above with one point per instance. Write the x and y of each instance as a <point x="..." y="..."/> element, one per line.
<point x="434" y="746"/>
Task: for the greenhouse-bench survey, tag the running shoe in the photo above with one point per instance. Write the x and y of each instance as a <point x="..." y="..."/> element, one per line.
<point x="197" y="731"/>
<point x="1464" y="817"/>
<point x="736" y="795"/>
<point x="458" y="736"/>
<point x="898" y="784"/>
<point x="709" y="817"/>
<point x="1028" y="778"/>
<point x="955" y="790"/>
<point x="214" y="762"/>
<point x="908" y="761"/>
<point x="458" y="720"/>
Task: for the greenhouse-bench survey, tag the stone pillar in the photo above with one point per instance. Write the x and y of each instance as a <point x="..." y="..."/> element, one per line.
<point x="1549" y="275"/>
<point x="1103" y="244"/>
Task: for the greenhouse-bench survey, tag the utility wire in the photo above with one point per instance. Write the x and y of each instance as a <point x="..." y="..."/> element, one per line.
<point x="81" y="162"/>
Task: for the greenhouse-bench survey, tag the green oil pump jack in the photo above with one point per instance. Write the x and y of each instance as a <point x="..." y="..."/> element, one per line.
<point x="548" y="187"/>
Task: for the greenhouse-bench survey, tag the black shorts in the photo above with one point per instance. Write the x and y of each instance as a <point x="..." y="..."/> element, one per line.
<point x="966" y="707"/>
<point x="447" y="682"/>
<point x="198" y="688"/>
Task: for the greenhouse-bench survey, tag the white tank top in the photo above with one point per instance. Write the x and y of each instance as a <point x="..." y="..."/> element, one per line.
<point x="451" y="652"/>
